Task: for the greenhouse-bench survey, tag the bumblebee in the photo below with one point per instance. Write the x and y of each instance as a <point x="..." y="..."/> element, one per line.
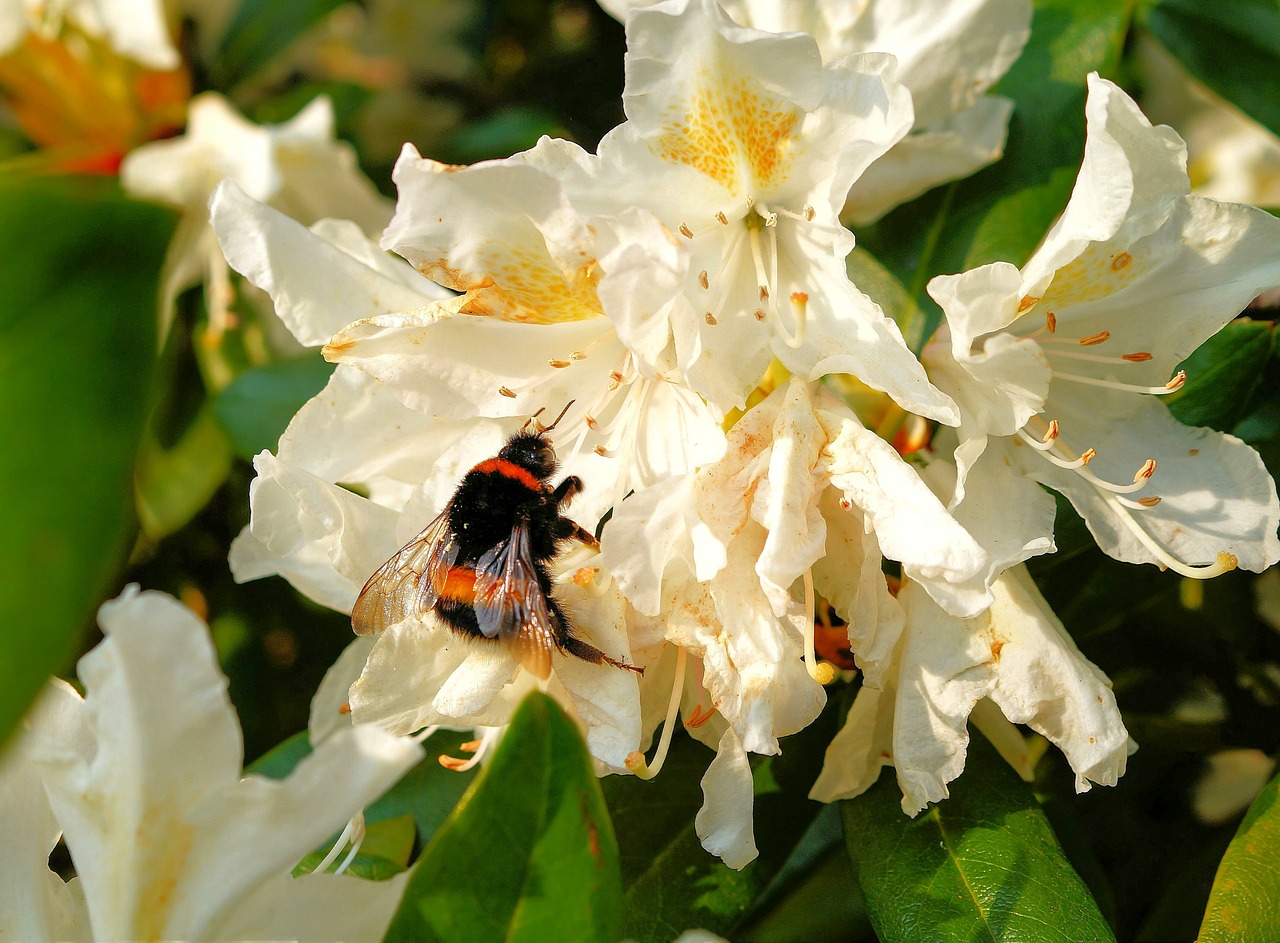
<point x="481" y="565"/>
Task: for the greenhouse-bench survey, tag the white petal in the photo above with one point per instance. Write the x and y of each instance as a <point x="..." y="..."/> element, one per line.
<point x="1232" y="781"/>
<point x="1216" y="494"/>
<point x="423" y="673"/>
<point x="331" y="705"/>
<point x="862" y="748"/>
<point x="317" y="907"/>
<point x="724" y="823"/>
<point x="910" y="523"/>
<point x="1131" y="175"/>
<point x="951" y="150"/>
<point x="946" y="668"/>
<point x="319" y="285"/>
<point x="1044" y="682"/>
<point x="324" y="539"/>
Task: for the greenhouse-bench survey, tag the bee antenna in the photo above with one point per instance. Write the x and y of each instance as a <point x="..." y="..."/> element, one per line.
<point x="558" y="418"/>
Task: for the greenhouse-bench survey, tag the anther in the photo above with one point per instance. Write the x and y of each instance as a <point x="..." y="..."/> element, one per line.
<point x="1052" y="433"/>
<point x="724" y="220"/>
<point x="704" y="280"/>
<point x="1178" y="380"/>
<point x="1027" y="302"/>
<point x="506" y="392"/>
<point x="455" y="763"/>
<point x="845" y="504"/>
<point x="1140" y="357"/>
<point x="1088" y="456"/>
<point x="471" y="746"/>
<point x="592" y="424"/>
<point x="1050" y="321"/>
<point x="1146" y="471"/>
<point x="808" y="213"/>
<point x="615" y="380"/>
<point x="604" y="453"/>
<point x="578" y="355"/>
<point x="711" y="318"/>
<point x="558" y="364"/>
<point x="345" y="708"/>
<point x="759" y="314"/>
<point x="1150" y="502"/>
<point x="686" y="231"/>
<point x="764" y="292"/>
<point x="1095" y="339"/>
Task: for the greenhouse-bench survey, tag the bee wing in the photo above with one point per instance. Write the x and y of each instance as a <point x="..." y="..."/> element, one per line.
<point x="510" y="604"/>
<point x="410" y="583"/>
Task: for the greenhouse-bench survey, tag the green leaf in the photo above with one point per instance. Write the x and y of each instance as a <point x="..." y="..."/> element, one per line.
<point x="257" y="406"/>
<point x="981" y="866"/>
<point x="260" y="31"/>
<point x="1229" y="45"/>
<point x="1223" y="374"/>
<point x="78" y="311"/>
<point x="1244" y="905"/>
<point x="670" y="883"/>
<point x="528" y="855"/>
<point x="1002" y="212"/>
<point x="173" y="484"/>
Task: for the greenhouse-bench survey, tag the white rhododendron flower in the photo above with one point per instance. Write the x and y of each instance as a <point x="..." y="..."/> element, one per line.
<point x="745" y="145"/>
<point x="949" y="54"/>
<point x="169" y="839"/>
<point x="1059" y="367"/>
<point x="298" y="167"/>
<point x="137" y="30"/>
<point x="1017" y="654"/>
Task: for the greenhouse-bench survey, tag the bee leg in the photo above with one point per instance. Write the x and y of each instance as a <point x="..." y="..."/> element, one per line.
<point x="589" y="653"/>
<point x="565" y="529"/>
<point x="566" y="490"/>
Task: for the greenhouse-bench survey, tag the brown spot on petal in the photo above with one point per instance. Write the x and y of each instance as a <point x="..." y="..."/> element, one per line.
<point x="1121" y="261"/>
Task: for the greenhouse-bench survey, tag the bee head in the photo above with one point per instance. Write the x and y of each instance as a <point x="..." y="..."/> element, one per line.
<point x="532" y="452"/>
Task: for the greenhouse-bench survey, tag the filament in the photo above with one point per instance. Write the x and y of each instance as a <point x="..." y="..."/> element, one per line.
<point x="636" y="762"/>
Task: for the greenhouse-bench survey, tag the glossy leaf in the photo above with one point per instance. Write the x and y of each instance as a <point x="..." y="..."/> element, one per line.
<point x="261" y="30"/>
<point x="528" y="855"/>
<point x="1200" y="34"/>
<point x="670" y="883"/>
<point x="78" y="313"/>
<point x="1223" y="374"/>
<point x="257" y="406"/>
<point x="980" y="867"/>
<point x="1244" y="905"/>
<point x="173" y="484"/>
<point x="1002" y="212"/>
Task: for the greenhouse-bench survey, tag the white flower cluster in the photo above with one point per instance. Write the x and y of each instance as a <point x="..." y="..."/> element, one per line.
<point x="684" y="291"/>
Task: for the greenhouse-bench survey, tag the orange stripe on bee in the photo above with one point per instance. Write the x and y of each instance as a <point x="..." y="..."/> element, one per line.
<point x="459" y="584"/>
<point x="511" y="470"/>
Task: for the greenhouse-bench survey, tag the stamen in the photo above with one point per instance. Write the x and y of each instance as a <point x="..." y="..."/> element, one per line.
<point x="354" y="825"/>
<point x="723" y="220"/>
<point x="686" y="231"/>
<point x="615" y="380"/>
<point x="636" y="761"/>
<point x="704" y="280"/>
<point x="1094" y="339"/>
<point x="820" y="672"/>
<point x="698" y="717"/>
<point x="764" y="292"/>
<point x="357" y="839"/>
<point x="506" y="392"/>
<point x="1174" y="384"/>
<point x="760" y="315"/>
<point x="1146" y="471"/>
<point x="1051" y="321"/>
<point x="424" y="733"/>
<point x="1224" y="563"/>
<point x="1052" y="433"/>
<point x="799" y="313"/>
<point x="1142" y="504"/>
<point x="1140" y="357"/>
<point x="604" y="452"/>
<point x="477" y="749"/>
<point x="711" y="318"/>
<point x="578" y="355"/>
<point x="808" y="213"/>
<point x="558" y="364"/>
